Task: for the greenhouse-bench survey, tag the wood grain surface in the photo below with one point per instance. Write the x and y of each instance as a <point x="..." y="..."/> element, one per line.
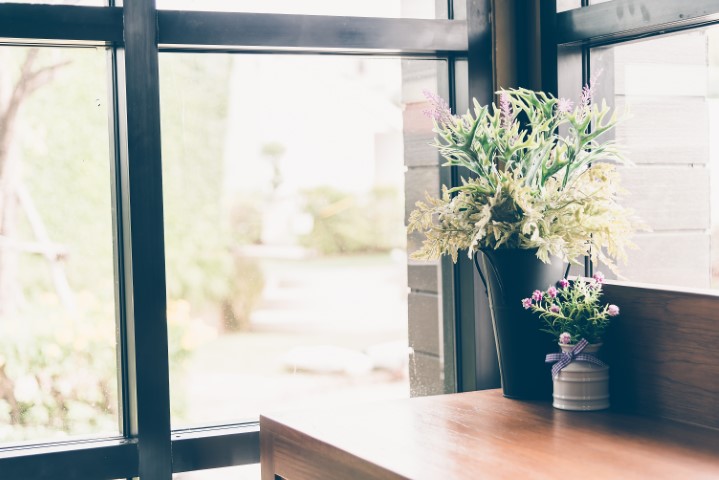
<point x="664" y="353"/>
<point x="481" y="435"/>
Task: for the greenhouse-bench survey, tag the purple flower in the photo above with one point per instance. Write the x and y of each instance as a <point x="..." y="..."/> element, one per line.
<point x="613" y="310"/>
<point x="552" y="292"/>
<point x="555" y="309"/>
<point x="526" y="303"/>
<point x="565" y="338"/>
<point x="537" y="295"/>
<point x="506" y="108"/>
<point x="564" y="105"/>
<point x="439" y="110"/>
<point x="564" y="283"/>
<point x="598" y="277"/>
<point x="589" y="90"/>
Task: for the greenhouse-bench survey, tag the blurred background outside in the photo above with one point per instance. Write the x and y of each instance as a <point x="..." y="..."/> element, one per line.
<point x="283" y="181"/>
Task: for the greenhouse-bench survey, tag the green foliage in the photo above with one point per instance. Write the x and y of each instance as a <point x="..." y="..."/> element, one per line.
<point x="197" y="243"/>
<point x="63" y="139"/>
<point x="246" y="286"/>
<point x="531" y="187"/>
<point x="245" y="220"/>
<point x="58" y="365"/>
<point x="575" y="310"/>
<point x="347" y="223"/>
<point x="58" y="369"/>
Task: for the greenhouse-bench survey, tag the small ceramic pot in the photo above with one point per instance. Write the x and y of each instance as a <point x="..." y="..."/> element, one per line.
<point x="582" y="385"/>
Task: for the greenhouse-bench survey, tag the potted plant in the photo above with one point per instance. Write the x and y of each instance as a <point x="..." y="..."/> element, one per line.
<point x="540" y="189"/>
<point x="575" y="317"/>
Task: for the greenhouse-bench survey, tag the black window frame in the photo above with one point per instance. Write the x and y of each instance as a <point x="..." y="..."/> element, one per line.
<point x="576" y="32"/>
<point x="134" y="34"/>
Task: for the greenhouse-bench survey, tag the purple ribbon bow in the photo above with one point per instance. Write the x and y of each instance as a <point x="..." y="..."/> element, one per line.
<point x="565" y="358"/>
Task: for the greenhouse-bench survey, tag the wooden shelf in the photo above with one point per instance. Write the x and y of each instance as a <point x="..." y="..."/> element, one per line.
<point x="481" y="435"/>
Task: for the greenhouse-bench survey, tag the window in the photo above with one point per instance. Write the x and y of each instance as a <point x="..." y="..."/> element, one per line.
<point x="667" y="87"/>
<point x="120" y="203"/>
<point x="245" y="472"/>
<point x="284" y="227"/>
<point x="85" y="3"/>
<point x="58" y="363"/>
<point x="185" y="303"/>
<point x="367" y="8"/>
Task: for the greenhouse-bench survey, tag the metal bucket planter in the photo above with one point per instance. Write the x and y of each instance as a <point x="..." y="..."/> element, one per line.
<point x="510" y="275"/>
<point x="582" y="385"/>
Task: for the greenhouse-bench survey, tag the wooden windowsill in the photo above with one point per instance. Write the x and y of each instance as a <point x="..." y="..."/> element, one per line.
<point x="481" y="435"/>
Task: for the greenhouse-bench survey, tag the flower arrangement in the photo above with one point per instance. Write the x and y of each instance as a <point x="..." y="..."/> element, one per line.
<point x="531" y="185"/>
<point x="573" y="311"/>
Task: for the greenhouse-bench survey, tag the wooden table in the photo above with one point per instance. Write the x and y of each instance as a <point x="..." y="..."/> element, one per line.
<point x="481" y="435"/>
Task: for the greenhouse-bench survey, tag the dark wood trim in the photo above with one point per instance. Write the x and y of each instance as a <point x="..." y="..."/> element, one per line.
<point x="663" y="352"/>
<point x="310" y="33"/>
<point x="64" y="22"/>
<point x="480" y="435"/>
<point x="621" y="20"/>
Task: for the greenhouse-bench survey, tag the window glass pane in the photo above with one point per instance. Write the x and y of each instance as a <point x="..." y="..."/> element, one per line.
<point x="85" y="3"/>
<point x="284" y="205"/>
<point x="367" y="8"/>
<point x="244" y="472"/>
<point x="564" y="5"/>
<point x="57" y="316"/>
<point x="669" y="85"/>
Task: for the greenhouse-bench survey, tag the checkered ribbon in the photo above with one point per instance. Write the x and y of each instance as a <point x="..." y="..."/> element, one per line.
<point x="565" y="358"/>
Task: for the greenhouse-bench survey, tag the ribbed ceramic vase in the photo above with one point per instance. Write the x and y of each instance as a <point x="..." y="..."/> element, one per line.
<point x="582" y="385"/>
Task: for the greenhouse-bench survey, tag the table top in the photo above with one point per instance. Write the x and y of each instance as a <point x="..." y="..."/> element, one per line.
<point x="484" y="435"/>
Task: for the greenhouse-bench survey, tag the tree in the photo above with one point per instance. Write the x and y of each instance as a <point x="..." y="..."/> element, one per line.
<point x="32" y="75"/>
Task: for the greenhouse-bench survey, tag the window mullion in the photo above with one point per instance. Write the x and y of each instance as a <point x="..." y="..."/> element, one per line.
<point x="147" y="415"/>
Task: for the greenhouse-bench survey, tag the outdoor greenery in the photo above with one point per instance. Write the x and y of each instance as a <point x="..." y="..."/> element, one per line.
<point x="58" y="342"/>
<point x="529" y="185"/>
<point x="573" y="311"/>
<point x="57" y="325"/>
<point x="58" y="355"/>
<point x="349" y="223"/>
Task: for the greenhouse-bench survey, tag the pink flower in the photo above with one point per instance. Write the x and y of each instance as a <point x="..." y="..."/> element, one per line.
<point x="598" y="277"/>
<point x="565" y="338"/>
<point x="555" y="309"/>
<point x="506" y="108"/>
<point x="588" y="92"/>
<point x="613" y="310"/>
<point x="537" y="295"/>
<point x="526" y="303"/>
<point x="564" y="283"/>
<point x="439" y="109"/>
<point x="552" y="292"/>
<point x="590" y="89"/>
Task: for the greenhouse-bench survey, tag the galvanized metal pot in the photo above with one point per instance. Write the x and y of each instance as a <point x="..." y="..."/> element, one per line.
<point x="582" y="385"/>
